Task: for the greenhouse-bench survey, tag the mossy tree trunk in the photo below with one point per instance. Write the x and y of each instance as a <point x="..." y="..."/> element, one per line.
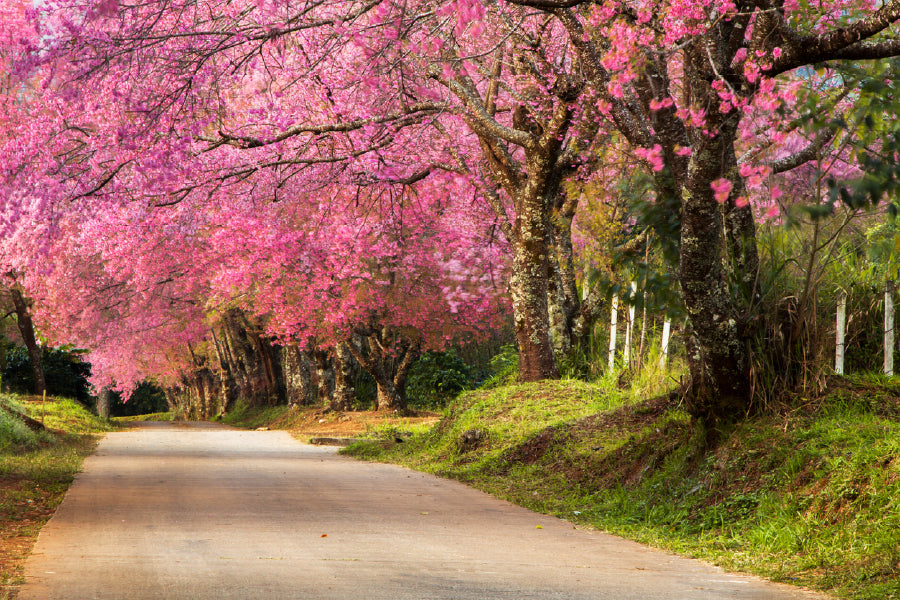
<point x="26" y="329"/>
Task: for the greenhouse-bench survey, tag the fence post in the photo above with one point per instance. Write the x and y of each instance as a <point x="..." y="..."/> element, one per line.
<point x="629" y="326"/>
<point x="840" y="329"/>
<point x="888" y="327"/>
<point x="612" y="332"/>
<point x="667" y="328"/>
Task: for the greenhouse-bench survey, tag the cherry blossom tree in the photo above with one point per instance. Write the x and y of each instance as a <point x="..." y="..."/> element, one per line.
<point x="187" y="102"/>
<point x="688" y="84"/>
<point x="393" y="92"/>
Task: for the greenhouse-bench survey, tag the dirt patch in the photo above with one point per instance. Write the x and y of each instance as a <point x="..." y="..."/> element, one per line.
<point x="535" y="448"/>
<point x="631" y="418"/>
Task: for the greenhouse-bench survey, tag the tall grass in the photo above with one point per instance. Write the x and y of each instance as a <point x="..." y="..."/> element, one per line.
<point x="13" y="431"/>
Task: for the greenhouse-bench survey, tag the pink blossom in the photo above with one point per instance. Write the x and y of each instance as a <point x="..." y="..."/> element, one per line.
<point x="660" y="104"/>
<point x="653" y="155"/>
<point x="721" y="188"/>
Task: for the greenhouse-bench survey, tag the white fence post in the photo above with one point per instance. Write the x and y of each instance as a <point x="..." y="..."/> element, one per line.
<point x="840" y="329"/>
<point x="612" y="332"/>
<point x="629" y="326"/>
<point x="888" y="327"/>
<point x="667" y="328"/>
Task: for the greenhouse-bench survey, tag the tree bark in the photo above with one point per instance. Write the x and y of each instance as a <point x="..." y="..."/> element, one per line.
<point x="387" y="356"/>
<point x="324" y="377"/>
<point x="719" y="361"/>
<point x="104" y="400"/>
<point x="253" y="371"/>
<point x="26" y="328"/>
<point x="529" y="288"/>
<point x="171" y="399"/>
<point x="344" y="393"/>
<point x="228" y="388"/>
<point x="297" y="377"/>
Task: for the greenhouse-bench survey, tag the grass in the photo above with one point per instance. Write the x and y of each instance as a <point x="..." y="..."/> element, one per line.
<point x="36" y="469"/>
<point x="808" y="494"/>
<point x="161" y="416"/>
<point x="250" y="417"/>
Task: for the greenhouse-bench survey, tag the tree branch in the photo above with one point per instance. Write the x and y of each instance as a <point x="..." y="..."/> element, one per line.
<point x="811" y="152"/>
<point x="841" y="43"/>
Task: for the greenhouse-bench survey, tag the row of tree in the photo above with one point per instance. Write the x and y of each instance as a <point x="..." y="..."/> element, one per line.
<point x="190" y="184"/>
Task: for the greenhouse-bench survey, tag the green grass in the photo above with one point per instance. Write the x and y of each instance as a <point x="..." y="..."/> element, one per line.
<point x="161" y="416"/>
<point x="809" y="495"/>
<point x="251" y="417"/>
<point x="36" y="469"/>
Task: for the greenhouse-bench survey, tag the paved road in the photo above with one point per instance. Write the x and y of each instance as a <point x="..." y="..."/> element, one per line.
<point x="196" y="512"/>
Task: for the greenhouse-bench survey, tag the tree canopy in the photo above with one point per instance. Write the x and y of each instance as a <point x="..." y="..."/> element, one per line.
<point x="341" y="168"/>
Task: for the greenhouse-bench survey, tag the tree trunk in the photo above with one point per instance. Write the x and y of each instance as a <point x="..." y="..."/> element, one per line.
<point x="324" y="377"/>
<point x="26" y="328"/>
<point x="344" y="393"/>
<point x="387" y="357"/>
<point x="171" y="399"/>
<point x="104" y="400"/>
<point x="253" y="372"/>
<point x="297" y="377"/>
<point x="529" y="289"/>
<point x="719" y="361"/>
<point x="388" y="398"/>
<point x="228" y="388"/>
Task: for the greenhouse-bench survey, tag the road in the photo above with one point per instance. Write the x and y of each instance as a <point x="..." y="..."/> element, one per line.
<point x="196" y="511"/>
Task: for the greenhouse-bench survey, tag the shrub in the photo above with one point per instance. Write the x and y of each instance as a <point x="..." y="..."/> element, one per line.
<point x="64" y="371"/>
<point x="437" y="378"/>
<point x="148" y="398"/>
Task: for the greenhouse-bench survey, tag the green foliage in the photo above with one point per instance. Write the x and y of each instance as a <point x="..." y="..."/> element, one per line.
<point x="365" y="389"/>
<point x="160" y="416"/>
<point x="14" y="433"/>
<point x="250" y="417"/>
<point x="504" y="367"/>
<point x="436" y="378"/>
<point x="36" y="470"/>
<point x="65" y="373"/>
<point x="65" y="414"/>
<point x="61" y="415"/>
<point x="147" y="398"/>
<point x="873" y="121"/>
<point x="804" y="272"/>
<point x="5" y="346"/>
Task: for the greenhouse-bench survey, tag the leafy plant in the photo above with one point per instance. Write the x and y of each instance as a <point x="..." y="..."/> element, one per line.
<point x="437" y="378"/>
<point x="64" y="371"/>
<point x="147" y="398"/>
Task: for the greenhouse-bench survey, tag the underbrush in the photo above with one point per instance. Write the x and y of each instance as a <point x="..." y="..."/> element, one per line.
<point x="807" y="494"/>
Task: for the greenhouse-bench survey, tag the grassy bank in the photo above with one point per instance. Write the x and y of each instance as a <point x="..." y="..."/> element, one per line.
<point x="36" y="469"/>
<point x="809" y="494"/>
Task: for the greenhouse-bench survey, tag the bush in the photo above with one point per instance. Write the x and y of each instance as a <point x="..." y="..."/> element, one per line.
<point x="436" y="378"/>
<point x="148" y="398"/>
<point x="504" y="368"/>
<point x="64" y="371"/>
